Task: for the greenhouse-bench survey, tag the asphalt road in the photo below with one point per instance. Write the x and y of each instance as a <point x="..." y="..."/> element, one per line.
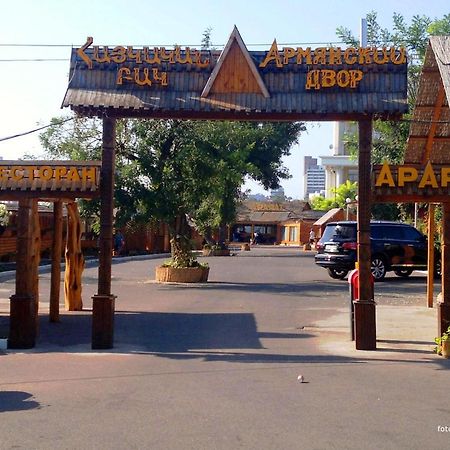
<point x="216" y="366"/>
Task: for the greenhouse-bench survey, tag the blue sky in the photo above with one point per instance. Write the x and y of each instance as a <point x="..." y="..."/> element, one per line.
<point x="31" y="92"/>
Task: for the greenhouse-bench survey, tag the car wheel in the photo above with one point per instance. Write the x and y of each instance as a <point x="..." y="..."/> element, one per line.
<point x="337" y="274"/>
<point x="403" y="273"/>
<point x="378" y="268"/>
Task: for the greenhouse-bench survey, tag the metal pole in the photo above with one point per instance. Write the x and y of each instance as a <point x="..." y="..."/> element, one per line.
<point x="363" y="32"/>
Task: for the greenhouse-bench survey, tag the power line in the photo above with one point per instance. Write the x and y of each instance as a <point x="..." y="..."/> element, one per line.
<point x="183" y="45"/>
<point x="34" y="59"/>
<point x="36" y="129"/>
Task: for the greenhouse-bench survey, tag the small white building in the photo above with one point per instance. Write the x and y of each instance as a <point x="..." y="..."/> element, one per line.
<point x="339" y="167"/>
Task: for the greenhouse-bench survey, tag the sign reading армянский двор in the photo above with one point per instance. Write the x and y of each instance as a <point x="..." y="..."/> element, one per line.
<point x="284" y="83"/>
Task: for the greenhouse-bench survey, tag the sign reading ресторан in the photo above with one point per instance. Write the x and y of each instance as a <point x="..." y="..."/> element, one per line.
<point x="280" y="83"/>
<point x="50" y="177"/>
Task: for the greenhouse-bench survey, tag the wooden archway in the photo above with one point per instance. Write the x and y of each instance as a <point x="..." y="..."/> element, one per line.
<point x="59" y="182"/>
<point x="425" y="175"/>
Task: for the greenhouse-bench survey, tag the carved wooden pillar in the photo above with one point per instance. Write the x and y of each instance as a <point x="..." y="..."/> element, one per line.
<point x="56" y="261"/>
<point x="22" y="332"/>
<point x="35" y="257"/>
<point x="444" y="304"/>
<point x="430" y="275"/>
<point x="103" y="302"/>
<point x="365" y="326"/>
<point x="74" y="260"/>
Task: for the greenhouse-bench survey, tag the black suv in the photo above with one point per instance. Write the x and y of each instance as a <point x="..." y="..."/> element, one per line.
<point x="394" y="246"/>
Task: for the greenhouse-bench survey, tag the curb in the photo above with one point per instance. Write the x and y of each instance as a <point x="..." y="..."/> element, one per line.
<point x="11" y="274"/>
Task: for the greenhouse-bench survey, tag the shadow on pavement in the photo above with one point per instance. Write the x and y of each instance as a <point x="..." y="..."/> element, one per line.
<point x="156" y="332"/>
<point x="17" y="401"/>
<point x="313" y="288"/>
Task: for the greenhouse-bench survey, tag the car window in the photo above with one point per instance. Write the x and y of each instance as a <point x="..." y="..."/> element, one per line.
<point x="339" y="232"/>
<point x="386" y="232"/>
<point x="393" y="232"/>
<point x="411" y="234"/>
<point x="376" y="232"/>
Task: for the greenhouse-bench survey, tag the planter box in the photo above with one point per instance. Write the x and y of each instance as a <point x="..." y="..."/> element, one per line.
<point x="245" y="247"/>
<point x="182" y="275"/>
<point x="211" y="252"/>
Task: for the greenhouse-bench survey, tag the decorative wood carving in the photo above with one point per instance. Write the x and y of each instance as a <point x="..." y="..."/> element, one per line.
<point x="74" y="260"/>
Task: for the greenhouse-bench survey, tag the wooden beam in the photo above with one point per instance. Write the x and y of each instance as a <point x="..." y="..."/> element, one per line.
<point x="426" y="138"/>
<point x="256" y="116"/>
<point x="436" y="115"/>
<point x="35" y="257"/>
<point x="365" y="326"/>
<point x="444" y="305"/>
<point x="430" y="265"/>
<point x="55" y="282"/>
<point x="103" y="303"/>
<point x="22" y="328"/>
<point x="74" y="260"/>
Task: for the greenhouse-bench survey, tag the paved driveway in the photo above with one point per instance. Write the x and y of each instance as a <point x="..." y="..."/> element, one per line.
<point x="216" y="366"/>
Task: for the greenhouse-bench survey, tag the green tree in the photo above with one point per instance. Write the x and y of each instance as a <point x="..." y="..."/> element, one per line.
<point x="181" y="172"/>
<point x="390" y="137"/>
<point x="347" y="190"/>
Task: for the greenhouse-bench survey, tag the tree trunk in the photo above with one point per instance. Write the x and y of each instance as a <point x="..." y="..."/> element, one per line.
<point x="181" y="244"/>
<point x="74" y="261"/>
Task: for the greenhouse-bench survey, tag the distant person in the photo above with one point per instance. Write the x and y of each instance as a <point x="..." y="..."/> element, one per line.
<point x="119" y="243"/>
<point x="312" y="237"/>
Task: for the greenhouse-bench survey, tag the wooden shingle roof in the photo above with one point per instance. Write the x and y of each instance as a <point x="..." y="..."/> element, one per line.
<point x="429" y="137"/>
<point x="237" y="84"/>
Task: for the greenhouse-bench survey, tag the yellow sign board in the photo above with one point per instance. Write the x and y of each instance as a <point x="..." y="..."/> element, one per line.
<point x="50" y="176"/>
<point x="402" y="176"/>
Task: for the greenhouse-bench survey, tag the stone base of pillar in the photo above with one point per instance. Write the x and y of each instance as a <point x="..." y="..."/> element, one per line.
<point x="103" y="321"/>
<point x="443" y="317"/>
<point x="22" y="322"/>
<point x="365" y="325"/>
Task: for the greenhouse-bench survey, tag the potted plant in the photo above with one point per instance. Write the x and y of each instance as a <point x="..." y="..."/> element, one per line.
<point x="183" y="266"/>
<point x="443" y="344"/>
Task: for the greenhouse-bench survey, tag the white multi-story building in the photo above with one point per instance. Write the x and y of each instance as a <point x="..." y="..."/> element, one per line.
<point x="315" y="181"/>
<point x="339" y="167"/>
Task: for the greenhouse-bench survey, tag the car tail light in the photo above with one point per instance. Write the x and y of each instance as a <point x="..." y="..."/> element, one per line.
<point x="319" y="246"/>
<point x="349" y="245"/>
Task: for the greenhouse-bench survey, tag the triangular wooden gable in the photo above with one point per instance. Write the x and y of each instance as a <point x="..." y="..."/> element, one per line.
<point x="429" y="136"/>
<point x="235" y="71"/>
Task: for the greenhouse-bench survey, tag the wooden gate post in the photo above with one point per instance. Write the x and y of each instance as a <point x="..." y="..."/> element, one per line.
<point x="55" y="282"/>
<point x="103" y="301"/>
<point x="444" y="304"/>
<point x="430" y="257"/>
<point x="365" y="326"/>
<point x="22" y="329"/>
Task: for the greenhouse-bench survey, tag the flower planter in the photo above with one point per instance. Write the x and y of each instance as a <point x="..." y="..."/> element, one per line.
<point x="211" y="252"/>
<point x="182" y="275"/>
<point x="245" y="247"/>
<point x="445" y="349"/>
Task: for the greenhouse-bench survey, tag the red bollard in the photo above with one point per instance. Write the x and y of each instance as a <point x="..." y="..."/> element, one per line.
<point x="353" y="286"/>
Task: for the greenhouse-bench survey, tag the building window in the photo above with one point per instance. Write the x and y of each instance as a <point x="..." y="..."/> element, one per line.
<point x="292" y="234"/>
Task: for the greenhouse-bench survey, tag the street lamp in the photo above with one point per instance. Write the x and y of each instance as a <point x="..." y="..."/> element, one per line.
<point x="350" y="202"/>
